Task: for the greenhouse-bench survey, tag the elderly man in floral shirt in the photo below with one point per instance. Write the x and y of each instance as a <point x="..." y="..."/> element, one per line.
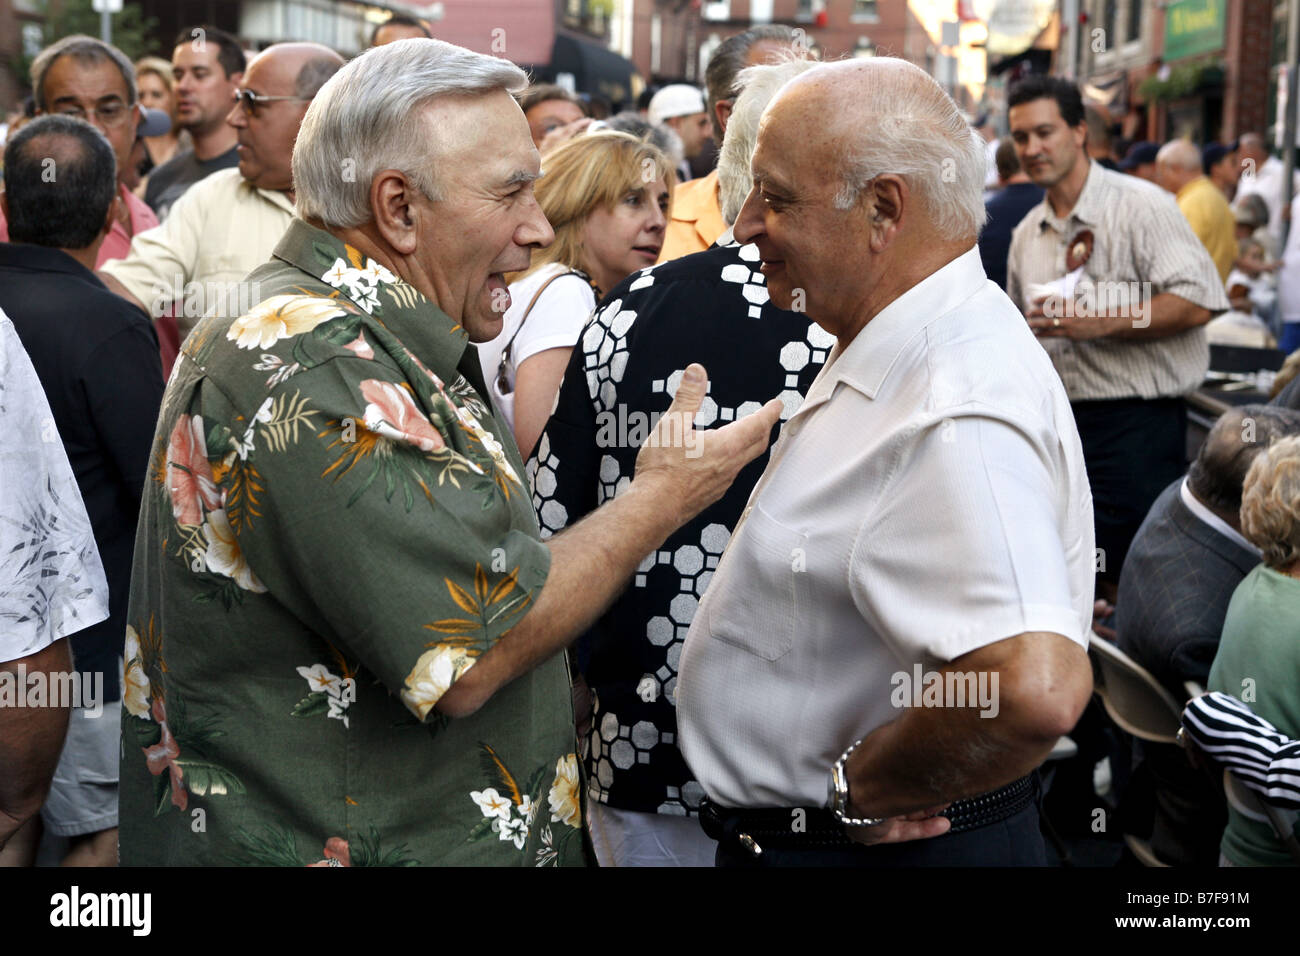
<point x="345" y="633"/>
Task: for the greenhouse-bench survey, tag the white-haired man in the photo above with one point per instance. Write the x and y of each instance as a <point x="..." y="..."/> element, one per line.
<point x="340" y="565"/>
<point x="900" y="618"/>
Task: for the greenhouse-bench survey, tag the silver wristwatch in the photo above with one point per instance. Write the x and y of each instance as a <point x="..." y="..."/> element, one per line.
<point x="839" y="794"/>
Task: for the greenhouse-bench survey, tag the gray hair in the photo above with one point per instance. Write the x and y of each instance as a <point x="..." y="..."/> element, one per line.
<point x="904" y="123"/>
<point x="659" y="136"/>
<point x="1270" y="503"/>
<point x="758" y="86"/>
<point x="370" y="116"/>
<point x="83" y="49"/>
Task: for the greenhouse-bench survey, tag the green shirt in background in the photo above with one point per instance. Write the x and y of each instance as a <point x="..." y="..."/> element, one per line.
<point x="333" y="534"/>
<point x="1259" y="663"/>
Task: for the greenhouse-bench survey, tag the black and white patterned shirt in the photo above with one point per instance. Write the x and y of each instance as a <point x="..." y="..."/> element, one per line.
<point x="711" y="308"/>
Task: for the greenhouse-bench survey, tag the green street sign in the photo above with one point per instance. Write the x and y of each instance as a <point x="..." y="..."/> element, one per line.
<point x="1194" y="26"/>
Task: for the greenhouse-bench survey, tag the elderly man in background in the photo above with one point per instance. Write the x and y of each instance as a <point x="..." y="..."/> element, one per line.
<point x="934" y="454"/>
<point x="91" y="80"/>
<point x="1186" y="560"/>
<point x="1128" y="341"/>
<point x="208" y="64"/>
<point x="711" y="307"/>
<point x="226" y="225"/>
<point x="1265" y="175"/>
<point x="1179" y="171"/>
<point x="344" y="546"/>
<point x="697" y="220"/>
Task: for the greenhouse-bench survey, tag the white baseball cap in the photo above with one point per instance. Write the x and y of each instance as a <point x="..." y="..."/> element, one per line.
<point x="680" y="99"/>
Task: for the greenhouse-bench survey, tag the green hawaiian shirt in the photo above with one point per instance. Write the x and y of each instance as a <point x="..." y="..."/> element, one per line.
<point x="332" y="536"/>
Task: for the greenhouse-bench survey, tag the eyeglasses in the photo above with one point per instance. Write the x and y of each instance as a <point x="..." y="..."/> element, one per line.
<point x="112" y="113"/>
<point x="253" y="102"/>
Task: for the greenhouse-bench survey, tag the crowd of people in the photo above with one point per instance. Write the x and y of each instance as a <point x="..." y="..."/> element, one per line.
<point x="390" y="441"/>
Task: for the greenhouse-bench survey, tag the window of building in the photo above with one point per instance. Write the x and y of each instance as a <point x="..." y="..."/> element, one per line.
<point x="1133" y="22"/>
<point x="865" y="10"/>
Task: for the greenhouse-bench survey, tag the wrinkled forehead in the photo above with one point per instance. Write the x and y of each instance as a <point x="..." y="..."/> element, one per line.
<point x="71" y="76"/>
<point x="798" y="136"/>
<point x="480" y="137"/>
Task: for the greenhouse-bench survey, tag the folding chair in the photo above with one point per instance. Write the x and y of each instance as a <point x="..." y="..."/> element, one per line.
<point x="1139" y="705"/>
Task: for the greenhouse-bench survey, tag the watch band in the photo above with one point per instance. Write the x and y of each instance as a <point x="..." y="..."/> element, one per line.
<point x="839" y="793"/>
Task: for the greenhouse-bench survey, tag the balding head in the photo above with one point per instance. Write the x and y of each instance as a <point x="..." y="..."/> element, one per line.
<point x="866" y="181"/>
<point x="1240" y="434"/>
<point x="885" y="115"/>
<point x="292" y="74"/>
<point x="1177" y="164"/>
<point x="1252" y="146"/>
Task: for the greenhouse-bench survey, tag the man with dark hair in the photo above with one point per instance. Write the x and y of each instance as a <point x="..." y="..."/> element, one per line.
<point x="1219" y="163"/>
<point x="91" y="80"/>
<point x="97" y="359"/>
<point x="1186" y="560"/>
<point x="553" y="113"/>
<point x="1117" y="287"/>
<point x="228" y="224"/>
<point x="208" y="64"/>
<point x="1006" y="208"/>
<point x="399" y="27"/>
<point x="696" y="208"/>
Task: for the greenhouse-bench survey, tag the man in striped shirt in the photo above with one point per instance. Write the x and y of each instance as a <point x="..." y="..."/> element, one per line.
<point x="1117" y="287"/>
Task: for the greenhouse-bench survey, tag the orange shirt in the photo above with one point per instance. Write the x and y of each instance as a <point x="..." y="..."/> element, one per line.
<point x="696" y="221"/>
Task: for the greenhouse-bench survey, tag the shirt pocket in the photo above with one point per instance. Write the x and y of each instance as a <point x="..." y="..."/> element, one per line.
<point x="766" y="588"/>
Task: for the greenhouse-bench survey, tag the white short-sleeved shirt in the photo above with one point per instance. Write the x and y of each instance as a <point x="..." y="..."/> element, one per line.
<point x="928" y="498"/>
<point x="52" y="582"/>
<point x="556" y="321"/>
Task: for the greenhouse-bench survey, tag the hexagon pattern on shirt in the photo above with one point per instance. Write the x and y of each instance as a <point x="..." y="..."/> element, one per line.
<point x="781" y="355"/>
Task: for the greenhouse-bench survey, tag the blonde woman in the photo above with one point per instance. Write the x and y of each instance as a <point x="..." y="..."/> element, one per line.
<point x="1259" y="655"/>
<point x="153" y="78"/>
<point x="606" y="195"/>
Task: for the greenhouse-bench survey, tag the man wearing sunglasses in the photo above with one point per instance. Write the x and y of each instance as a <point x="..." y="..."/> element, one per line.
<point x="226" y="225"/>
<point x="91" y="80"/>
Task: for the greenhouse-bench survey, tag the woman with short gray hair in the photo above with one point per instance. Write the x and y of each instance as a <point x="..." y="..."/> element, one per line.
<point x="1259" y="656"/>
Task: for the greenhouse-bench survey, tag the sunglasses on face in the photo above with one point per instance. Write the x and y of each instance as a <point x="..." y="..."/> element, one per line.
<point x="253" y="103"/>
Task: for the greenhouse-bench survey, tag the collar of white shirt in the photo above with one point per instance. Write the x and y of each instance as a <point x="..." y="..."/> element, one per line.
<point x="1214" y="521"/>
<point x="866" y="362"/>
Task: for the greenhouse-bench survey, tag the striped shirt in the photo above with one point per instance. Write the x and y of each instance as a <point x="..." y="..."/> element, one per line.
<point x="1139" y="237"/>
<point x="1232" y="734"/>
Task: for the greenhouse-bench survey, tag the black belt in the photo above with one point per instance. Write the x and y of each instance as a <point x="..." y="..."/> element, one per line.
<point x="814" y="828"/>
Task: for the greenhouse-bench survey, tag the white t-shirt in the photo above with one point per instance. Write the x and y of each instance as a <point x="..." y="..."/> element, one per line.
<point x="556" y="321"/>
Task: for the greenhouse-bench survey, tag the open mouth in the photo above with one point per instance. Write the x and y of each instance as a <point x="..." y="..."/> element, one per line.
<point x="651" y="252"/>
